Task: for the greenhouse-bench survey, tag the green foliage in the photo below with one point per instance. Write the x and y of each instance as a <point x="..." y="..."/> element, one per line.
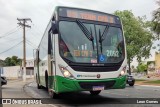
<point x="149" y="62"/>
<point x="135" y="70"/>
<point x="138" y="37"/>
<point x="156" y="21"/>
<point x="8" y="61"/>
<point x="2" y="63"/>
<point x="153" y="82"/>
<point x="132" y="67"/>
<point x="155" y="25"/>
<point x="142" y="67"/>
<point x="12" y="61"/>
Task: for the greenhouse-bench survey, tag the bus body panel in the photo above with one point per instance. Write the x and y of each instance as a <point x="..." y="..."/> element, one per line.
<point x="70" y="85"/>
<point x="43" y="56"/>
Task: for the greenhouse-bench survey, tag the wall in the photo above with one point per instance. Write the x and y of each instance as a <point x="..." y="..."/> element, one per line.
<point x="157" y="62"/>
<point x="15" y="72"/>
<point x="12" y="72"/>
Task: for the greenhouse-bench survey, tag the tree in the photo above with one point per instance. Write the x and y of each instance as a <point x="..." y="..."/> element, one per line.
<point x="15" y="60"/>
<point x="142" y="67"/>
<point x="12" y="61"/>
<point x="156" y="21"/>
<point x="8" y="61"/>
<point x="138" y="37"/>
<point x="155" y="25"/>
<point x="2" y="63"/>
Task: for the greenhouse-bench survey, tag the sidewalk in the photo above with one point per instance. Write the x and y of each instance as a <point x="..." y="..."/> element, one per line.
<point x="15" y="89"/>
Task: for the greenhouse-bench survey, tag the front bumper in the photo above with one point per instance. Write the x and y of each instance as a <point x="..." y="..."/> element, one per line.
<point x="63" y="84"/>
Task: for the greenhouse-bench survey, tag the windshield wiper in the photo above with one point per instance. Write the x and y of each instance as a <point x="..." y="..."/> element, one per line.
<point x="100" y="40"/>
<point x="103" y="36"/>
<point x="92" y="37"/>
<point x="86" y="32"/>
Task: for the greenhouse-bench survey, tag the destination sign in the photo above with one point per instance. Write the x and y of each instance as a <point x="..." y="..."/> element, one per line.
<point x="87" y="15"/>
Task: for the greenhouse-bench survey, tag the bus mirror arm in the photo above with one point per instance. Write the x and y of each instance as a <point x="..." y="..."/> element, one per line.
<point x="54" y="28"/>
<point x="52" y="60"/>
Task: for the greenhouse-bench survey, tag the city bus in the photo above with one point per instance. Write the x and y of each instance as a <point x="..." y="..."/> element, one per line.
<point x="81" y="50"/>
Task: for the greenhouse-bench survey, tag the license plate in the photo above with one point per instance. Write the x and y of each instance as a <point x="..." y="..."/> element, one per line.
<point x="95" y="88"/>
<point x="129" y="80"/>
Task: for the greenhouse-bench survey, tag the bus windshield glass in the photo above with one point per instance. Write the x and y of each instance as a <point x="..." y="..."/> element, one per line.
<point x="107" y="45"/>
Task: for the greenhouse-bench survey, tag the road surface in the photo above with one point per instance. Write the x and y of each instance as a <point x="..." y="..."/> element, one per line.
<point x="109" y="98"/>
<point x="112" y="97"/>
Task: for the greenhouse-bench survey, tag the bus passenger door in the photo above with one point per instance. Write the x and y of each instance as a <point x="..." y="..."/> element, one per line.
<point x="52" y="60"/>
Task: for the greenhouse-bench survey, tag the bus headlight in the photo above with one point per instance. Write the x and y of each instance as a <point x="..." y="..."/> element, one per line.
<point x="122" y="72"/>
<point x="65" y="72"/>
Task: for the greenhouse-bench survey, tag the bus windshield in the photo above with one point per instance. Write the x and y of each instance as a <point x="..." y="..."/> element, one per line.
<point x="106" y="47"/>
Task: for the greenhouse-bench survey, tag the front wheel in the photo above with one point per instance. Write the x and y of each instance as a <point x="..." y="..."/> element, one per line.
<point x="46" y="80"/>
<point x="53" y="95"/>
<point x="39" y="86"/>
<point x="95" y="92"/>
<point x="131" y="84"/>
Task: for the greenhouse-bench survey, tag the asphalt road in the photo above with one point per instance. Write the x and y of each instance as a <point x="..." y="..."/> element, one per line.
<point x="109" y="98"/>
<point x="114" y="97"/>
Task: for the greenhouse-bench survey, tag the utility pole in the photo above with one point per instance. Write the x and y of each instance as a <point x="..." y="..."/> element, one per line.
<point x="22" y="22"/>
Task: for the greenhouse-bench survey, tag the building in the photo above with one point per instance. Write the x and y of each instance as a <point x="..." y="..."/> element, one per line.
<point x="15" y="72"/>
<point x="11" y="72"/>
<point x="157" y="63"/>
<point x="151" y="67"/>
<point x="154" y="66"/>
<point x="29" y="68"/>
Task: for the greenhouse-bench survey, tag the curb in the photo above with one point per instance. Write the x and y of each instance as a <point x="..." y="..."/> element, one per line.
<point x="29" y="94"/>
<point x="147" y="85"/>
<point x="23" y="88"/>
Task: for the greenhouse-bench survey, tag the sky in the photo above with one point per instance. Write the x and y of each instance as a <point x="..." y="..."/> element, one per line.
<point x="40" y="12"/>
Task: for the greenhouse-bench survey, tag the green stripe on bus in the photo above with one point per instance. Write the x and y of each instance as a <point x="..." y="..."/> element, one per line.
<point x="61" y="84"/>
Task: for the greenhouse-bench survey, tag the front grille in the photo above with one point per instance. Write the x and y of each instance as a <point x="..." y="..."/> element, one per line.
<point x="95" y="69"/>
<point x="89" y="85"/>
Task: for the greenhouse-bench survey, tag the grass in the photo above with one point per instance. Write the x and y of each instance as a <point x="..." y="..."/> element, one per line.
<point x="153" y="82"/>
<point x="140" y="80"/>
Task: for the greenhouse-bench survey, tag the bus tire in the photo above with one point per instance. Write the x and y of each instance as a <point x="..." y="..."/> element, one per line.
<point x="54" y="95"/>
<point x="131" y="84"/>
<point x="95" y="92"/>
<point x="46" y="80"/>
<point x="38" y="86"/>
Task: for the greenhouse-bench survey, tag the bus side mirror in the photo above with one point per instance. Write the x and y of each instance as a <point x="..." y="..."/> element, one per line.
<point x="54" y="28"/>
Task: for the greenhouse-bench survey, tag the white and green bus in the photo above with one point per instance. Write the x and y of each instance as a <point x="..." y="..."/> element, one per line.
<point x="81" y="50"/>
